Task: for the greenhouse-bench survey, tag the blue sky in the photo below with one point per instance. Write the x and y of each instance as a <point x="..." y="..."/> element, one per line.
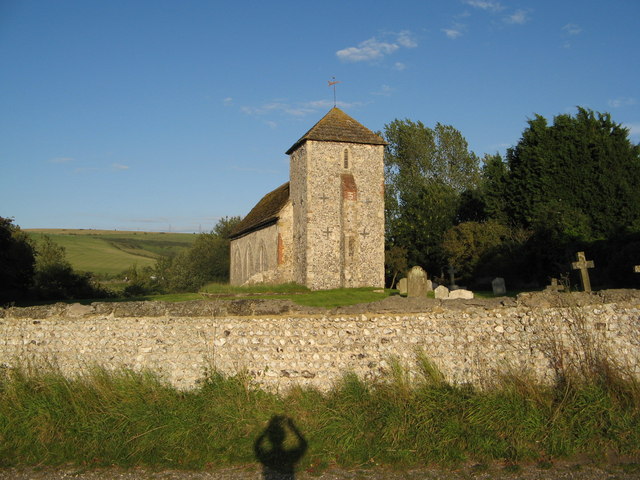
<point x="167" y="115"/>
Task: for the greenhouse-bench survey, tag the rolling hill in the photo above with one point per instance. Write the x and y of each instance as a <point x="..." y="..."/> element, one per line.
<point x="109" y="252"/>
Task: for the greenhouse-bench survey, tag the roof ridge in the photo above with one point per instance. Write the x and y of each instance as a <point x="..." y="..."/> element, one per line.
<point x="265" y="212"/>
<point x="337" y="126"/>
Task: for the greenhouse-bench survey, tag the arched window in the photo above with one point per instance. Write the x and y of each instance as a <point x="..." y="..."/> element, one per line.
<point x="262" y="258"/>
<point x="237" y="265"/>
<point x="248" y="265"/>
<point x="345" y="158"/>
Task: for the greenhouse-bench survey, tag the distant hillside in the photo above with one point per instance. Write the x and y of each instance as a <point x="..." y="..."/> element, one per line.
<point x="109" y="252"/>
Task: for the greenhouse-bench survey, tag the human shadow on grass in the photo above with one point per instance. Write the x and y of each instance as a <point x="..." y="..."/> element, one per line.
<point x="278" y="461"/>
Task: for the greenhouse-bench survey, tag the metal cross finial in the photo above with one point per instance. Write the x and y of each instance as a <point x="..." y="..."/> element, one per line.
<point x="333" y="84"/>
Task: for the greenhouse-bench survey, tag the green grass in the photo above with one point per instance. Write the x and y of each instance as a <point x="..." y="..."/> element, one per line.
<point x="124" y="418"/>
<point x="226" y="289"/>
<point x="108" y="253"/>
<point x="221" y="292"/>
<point x="301" y="295"/>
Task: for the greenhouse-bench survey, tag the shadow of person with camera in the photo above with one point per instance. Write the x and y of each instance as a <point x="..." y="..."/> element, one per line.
<point x="279" y="461"/>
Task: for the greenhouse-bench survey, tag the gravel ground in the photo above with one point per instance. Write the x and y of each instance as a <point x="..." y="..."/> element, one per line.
<point x="567" y="470"/>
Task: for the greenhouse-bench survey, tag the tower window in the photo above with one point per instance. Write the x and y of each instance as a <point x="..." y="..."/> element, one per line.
<point x="345" y="157"/>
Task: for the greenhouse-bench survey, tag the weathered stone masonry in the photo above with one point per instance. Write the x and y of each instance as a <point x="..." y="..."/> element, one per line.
<point x="181" y="341"/>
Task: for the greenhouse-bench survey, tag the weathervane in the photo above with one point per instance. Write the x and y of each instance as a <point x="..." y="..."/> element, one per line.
<point x="333" y="84"/>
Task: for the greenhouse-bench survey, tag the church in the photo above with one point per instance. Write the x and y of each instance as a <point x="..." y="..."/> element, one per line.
<point x="325" y="227"/>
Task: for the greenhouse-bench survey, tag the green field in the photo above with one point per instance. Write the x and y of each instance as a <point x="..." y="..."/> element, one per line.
<point x="110" y="252"/>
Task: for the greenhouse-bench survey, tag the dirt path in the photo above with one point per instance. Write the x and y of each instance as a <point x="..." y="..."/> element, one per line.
<point x="566" y="471"/>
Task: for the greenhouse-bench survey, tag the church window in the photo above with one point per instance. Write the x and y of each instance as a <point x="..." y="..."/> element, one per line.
<point x="262" y="258"/>
<point x="345" y="158"/>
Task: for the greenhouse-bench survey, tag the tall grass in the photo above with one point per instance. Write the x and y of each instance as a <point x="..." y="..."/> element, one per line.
<point x="127" y="418"/>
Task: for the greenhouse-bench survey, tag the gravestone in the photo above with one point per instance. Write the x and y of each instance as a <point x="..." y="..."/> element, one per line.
<point x="417" y="282"/>
<point x="498" y="285"/>
<point x="402" y="286"/>
<point x="460" y="293"/>
<point x="636" y="269"/>
<point x="583" y="264"/>
<point x="429" y="286"/>
<point x="555" y="286"/>
<point x="441" y="292"/>
<point x="452" y="275"/>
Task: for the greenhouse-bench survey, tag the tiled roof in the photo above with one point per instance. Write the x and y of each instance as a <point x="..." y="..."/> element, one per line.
<point x="337" y="126"/>
<point x="265" y="212"/>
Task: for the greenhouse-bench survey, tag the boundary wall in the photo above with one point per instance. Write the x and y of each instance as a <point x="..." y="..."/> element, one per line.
<point x="281" y="345"/>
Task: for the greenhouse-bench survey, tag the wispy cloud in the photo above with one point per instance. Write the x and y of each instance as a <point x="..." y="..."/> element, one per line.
<point x="572" y="29"/>
<point x="399" y="66"/>
<point x="622" y="102"/>
<point x="384" y="91"/>
<point x="519" y="17"/>
<point x="61" y="160"/>
<point x="276" y="106"/>
<point x="457" y="30"/>
<point x="119" y="166"/>
<point x="485" y="5"/>
<point x="227" y="102"/>
<point x="373" y="49"/>
<point x="299" y="109"/>
<point x="406" y="39"/>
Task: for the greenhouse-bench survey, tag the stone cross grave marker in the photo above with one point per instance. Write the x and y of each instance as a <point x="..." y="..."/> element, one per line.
<point x="583" y="264"/>
<point x="452" y="274"/>
<point x="402" y="286"/>
<point x="498" y="286"/>
<point x="417" y="282"/>
<point x="555" y="286"/>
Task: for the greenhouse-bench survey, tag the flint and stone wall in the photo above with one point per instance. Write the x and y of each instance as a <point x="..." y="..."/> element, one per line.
<point x="281" y="346"/>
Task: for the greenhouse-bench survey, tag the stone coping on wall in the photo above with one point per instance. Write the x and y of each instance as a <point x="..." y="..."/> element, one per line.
<point x="262" y="307"/>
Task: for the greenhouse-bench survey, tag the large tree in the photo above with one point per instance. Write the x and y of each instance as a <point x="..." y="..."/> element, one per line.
<point x="206" y="261"/>
<point x="17" y="260"/>
<point x="426" y="172"/>
<point x="579" y="177"/>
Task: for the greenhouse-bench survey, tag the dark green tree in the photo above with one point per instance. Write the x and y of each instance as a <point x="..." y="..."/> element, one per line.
<point x="206" y="261"/>
<point x="55" y="278"/>
<point x="577" y="178"/>
<point x="493" y="188"/>
<point x="426" y="172"/>
<point x="17" y="261"/>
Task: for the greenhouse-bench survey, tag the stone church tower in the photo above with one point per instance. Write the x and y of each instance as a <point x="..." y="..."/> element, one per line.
<point x="328" y="222"/>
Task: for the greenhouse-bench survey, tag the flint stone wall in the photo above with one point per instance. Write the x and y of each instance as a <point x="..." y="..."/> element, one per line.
<point x="281" y="345"/>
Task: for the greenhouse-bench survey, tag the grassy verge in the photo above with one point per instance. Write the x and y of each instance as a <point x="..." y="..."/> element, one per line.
<point x="126" y="418"/>
<point x="301" y="295"/>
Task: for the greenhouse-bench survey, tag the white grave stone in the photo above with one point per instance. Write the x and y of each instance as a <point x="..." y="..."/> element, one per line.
<point x="460" y="293"/>
<point x="429" y="286"/>
<point x="498" y="286"/>
<point x="441" y="292"/>
<point x="417" y="282"/>
<point x="402" y="286"/>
